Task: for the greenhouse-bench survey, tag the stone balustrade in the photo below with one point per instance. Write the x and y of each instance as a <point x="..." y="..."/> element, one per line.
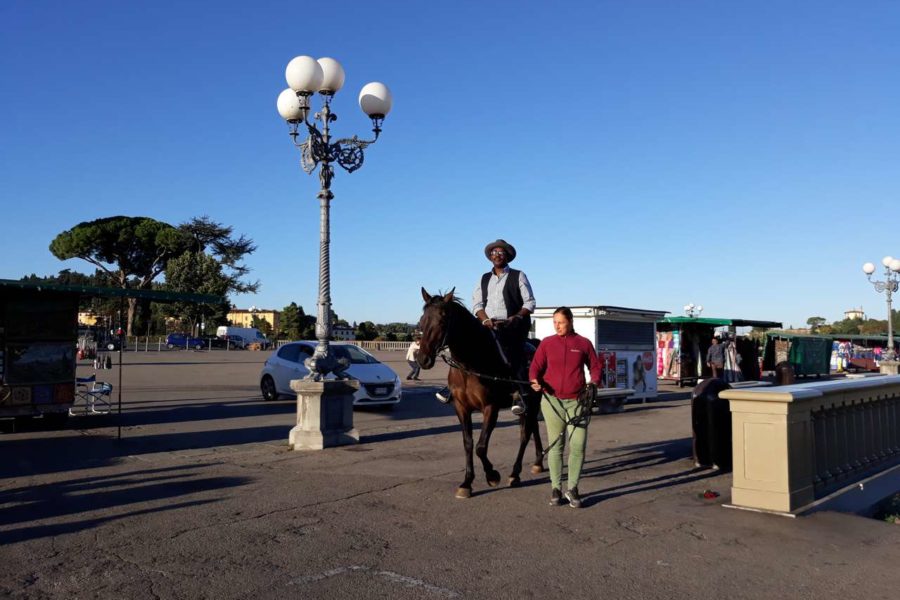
<point x="795" y="444"/>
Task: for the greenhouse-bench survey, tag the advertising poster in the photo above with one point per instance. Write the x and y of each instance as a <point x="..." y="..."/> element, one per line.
<point x="608" y="370"/>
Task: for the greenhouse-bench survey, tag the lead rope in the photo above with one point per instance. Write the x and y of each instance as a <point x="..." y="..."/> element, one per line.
<point x="580" y="418"/>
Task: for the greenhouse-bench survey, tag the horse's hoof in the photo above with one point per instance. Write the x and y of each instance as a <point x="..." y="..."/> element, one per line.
<point x="537" y="469"/>
<point x="513" y="482"/>
<point x="463" y="493"/>
<point x="493" y="478"/>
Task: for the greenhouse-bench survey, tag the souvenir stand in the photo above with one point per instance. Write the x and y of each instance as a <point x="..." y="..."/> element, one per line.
<point x="857" y="352"/>
<point x="682" y="342"/>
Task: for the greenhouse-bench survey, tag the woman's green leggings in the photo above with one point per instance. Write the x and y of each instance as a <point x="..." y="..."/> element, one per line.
<point x="556" y="412"/>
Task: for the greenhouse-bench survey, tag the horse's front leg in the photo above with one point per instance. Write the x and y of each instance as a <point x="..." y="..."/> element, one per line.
<point x="490" y="414"/>
<point x="538" y="465"/>
<point x="465" y="420"/>
<point x="528" y="426"/>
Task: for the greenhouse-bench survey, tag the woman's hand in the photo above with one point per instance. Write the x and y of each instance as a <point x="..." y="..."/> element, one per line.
<point x="535" y="385"/>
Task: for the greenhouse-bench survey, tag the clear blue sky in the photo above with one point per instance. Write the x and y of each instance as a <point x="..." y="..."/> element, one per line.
<point x="743" y="156"/>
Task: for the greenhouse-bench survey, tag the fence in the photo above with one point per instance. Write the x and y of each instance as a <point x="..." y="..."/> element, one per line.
<point x="364" y="344"/>
<point x="795" y="444"/>
<point x="158" y="343"/>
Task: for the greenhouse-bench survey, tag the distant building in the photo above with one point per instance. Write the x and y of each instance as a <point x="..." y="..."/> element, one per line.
<point x="342" y="332"/>
<point x="243" y="317"/>
<point x="855" y="313"/>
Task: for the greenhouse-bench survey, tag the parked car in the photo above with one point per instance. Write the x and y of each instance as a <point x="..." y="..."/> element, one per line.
<point x="232" y="342"/>
<point x="379" y="384"/>
<point x="182" y="340"/>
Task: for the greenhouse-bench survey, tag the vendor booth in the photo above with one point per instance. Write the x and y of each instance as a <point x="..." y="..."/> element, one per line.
<point x="857" y="352"/>
<point x="625" y="342"/>
<point x="38" y="347"/>
<point x="682" y="343"/>
<point x="807" y="354"/>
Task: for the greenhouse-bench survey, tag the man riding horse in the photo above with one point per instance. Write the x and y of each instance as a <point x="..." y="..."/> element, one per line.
<point x="503" y="302"/>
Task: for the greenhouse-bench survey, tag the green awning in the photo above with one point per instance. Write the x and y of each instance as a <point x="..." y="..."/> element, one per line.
<point x="719" y="322"/>
<point x="106" y="292"/>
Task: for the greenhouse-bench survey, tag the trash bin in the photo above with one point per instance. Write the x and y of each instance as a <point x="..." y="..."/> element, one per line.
<point x="784" y="373"/>
<point x="711" y="421"/>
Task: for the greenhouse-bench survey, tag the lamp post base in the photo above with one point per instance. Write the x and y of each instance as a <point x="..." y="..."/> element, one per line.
<point x="324" y="414"/>
<point x="889" y="367"/>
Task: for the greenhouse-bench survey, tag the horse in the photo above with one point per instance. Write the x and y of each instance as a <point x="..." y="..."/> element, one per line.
<point x="480" y="381"/>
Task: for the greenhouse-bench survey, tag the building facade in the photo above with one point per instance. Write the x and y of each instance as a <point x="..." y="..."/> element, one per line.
<point x="855" y="313"/>
<point x="243" y="317"/>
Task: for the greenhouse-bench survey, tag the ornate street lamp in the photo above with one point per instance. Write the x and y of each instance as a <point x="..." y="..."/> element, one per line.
<point x="888" y="286"/>
<point x="692" y="311"/>
<point x="306" y="76"/>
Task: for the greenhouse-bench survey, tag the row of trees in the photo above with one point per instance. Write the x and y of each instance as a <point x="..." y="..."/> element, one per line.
<point x="297" y="325"/>
<point x="854" y="326"/>
<point x="198" y="256"/>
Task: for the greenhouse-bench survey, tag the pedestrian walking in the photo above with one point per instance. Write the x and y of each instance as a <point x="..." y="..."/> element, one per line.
<point x="411" y="359"/>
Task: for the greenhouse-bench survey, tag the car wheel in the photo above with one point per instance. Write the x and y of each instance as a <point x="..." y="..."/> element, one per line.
<point x="170" y="346"/>
<point x="198" y="347"/>
<point x="267" y="386"/>
<point x="110" y="346"/>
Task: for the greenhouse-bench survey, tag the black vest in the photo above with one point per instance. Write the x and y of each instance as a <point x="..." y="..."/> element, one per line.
<point x="512" y="295"/>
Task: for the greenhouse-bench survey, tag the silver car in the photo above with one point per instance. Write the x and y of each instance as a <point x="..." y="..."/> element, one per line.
<point x="378" y="383"/>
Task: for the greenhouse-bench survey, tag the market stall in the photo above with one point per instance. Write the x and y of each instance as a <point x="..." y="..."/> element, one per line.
<point x="807" y="354"/>
<point x="682" y="343"/>
<point x="38" y="346"/>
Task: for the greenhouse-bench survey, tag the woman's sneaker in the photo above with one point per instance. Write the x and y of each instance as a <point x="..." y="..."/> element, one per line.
<point x="573" y="498"/>
<point x="555" y="497"/>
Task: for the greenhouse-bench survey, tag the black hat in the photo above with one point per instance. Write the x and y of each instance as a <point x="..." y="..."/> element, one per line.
<point x="510" y="251"/>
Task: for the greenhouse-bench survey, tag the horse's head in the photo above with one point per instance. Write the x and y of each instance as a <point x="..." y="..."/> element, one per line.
<point x="433" y="325"/>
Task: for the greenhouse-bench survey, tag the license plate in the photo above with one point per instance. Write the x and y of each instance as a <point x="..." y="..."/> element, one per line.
<point x="380" y="391"/>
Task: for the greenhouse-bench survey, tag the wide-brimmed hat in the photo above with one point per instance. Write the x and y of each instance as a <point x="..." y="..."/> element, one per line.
<point x="510" y="251"/>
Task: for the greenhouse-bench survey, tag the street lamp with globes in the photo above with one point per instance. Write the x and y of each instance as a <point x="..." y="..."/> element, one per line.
<point x="307" y="76"/>
<point x="692" y="311"/>
<point x="888" y="286"/>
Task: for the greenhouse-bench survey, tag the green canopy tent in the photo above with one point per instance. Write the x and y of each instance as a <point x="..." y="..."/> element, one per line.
<point x="38" y="335"/>
<point x="682" y="343"/>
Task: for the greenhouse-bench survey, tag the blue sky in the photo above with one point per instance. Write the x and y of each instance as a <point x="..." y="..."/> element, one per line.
<point x="743" y="156"/>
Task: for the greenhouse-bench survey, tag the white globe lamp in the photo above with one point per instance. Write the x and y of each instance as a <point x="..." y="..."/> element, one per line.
<point x="304" y="74"/>
<point x="375" y="99"/>
<point x="869" y="268"/>
<point x="289" y="106"/>
<point x="332" y="76"/>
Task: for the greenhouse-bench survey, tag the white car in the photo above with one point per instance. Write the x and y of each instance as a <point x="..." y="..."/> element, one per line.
<point x="378" y="383"/>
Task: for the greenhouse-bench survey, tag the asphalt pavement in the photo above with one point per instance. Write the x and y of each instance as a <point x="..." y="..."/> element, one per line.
<point x="202" y="498"/>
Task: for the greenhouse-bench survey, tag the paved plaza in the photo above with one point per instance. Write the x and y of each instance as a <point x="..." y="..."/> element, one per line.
<point x="202" y="498"/>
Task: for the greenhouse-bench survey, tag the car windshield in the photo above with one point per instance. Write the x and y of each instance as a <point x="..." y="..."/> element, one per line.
<point x="356" y="356"/>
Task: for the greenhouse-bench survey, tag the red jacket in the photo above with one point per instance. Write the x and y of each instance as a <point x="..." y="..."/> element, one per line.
<point x="559" y="364"/>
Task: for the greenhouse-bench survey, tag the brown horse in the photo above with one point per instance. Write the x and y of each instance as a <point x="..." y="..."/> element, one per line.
<point x="479" y="381"/>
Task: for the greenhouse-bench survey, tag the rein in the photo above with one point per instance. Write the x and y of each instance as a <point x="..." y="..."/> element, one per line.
<point x="581" y="417"/>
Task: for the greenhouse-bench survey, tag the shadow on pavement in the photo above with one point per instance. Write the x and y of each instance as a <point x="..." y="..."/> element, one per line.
<point x="66" y="498"/>
<point x="35" y="456"/>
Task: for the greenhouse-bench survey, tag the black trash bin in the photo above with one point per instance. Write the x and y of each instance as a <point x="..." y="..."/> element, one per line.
<point x="711" y="420"/>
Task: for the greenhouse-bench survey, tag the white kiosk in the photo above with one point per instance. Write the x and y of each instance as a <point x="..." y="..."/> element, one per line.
<point x="625" y="340"/>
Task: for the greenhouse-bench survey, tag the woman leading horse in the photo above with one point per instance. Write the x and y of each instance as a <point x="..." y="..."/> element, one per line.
<point x="480" y="380"/>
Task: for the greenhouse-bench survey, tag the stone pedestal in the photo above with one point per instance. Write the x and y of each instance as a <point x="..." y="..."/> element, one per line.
<point x="324" y="414"/>
<point x="889" y="367"/>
